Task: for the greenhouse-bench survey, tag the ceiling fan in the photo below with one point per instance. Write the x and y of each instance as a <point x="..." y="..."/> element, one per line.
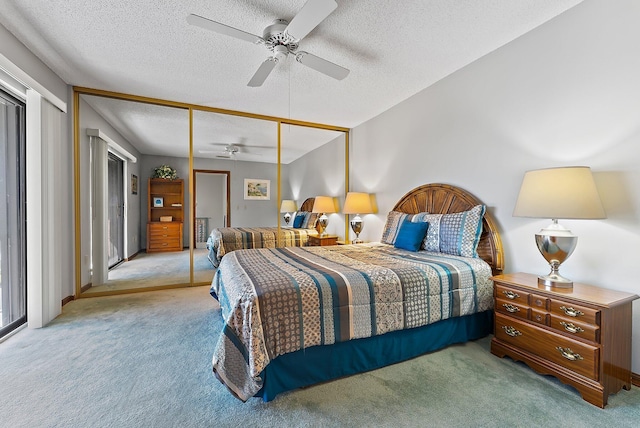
<point x="281" y="38"/>
<point x="229" y="152"/>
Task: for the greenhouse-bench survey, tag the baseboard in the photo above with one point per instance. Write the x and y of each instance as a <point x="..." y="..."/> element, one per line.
<point x="85" y="287"/>
<point x="67" y="300"/>
<point x="635" y="379"/>
<point x="133" y="256"/>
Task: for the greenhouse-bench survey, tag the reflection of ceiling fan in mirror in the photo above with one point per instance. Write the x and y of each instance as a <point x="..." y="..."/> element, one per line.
<point x="281" y="38"/>
<point x="228" y="152"/>
<point x="231" y="151"/>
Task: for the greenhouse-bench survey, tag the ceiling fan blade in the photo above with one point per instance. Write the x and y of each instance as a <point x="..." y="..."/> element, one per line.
<point x="208" y="24"/>
<point x="263" y="72"/>
<point x="312" y="13"/>
<point x="322" y="65"/>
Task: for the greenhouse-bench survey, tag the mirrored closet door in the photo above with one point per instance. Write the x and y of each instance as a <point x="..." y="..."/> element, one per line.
<point x="154" y="177"/>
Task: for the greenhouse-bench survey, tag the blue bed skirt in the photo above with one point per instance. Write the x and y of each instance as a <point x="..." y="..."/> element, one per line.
<point x="322" y="363"/>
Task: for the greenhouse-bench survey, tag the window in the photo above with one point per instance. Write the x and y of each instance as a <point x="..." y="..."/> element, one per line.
<point x="13" y="299"/>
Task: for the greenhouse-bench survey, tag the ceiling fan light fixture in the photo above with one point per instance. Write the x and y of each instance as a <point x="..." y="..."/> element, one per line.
<point x="280" y="52"/>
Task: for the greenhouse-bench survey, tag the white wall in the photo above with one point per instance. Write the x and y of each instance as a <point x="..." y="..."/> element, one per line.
<point x="567" y="93"/>
<point x="321" y="172"/>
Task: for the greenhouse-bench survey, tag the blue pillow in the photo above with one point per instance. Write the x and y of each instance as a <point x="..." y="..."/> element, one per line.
<point x="411" y="235"/>
<point x="297" y="222"/>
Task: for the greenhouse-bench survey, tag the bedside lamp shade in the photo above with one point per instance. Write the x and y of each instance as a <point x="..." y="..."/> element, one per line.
<point x="323" y="205"/>
<point x="288" y="206"/>
<point x="567" y="193"/>
<point x="357" y="203"/>
<point x="558" y="193"/>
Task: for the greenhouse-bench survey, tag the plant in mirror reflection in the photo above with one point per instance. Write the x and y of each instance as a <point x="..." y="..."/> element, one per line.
<point x="165" y="171"/>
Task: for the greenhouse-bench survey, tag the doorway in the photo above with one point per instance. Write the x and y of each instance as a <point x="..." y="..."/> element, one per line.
<point x="115" y="222"/>
<point x="211" y="203"/>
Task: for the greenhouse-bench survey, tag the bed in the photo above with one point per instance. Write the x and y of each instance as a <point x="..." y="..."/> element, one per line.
<point x="294" y="317"/>
<point x="223" y="240"/>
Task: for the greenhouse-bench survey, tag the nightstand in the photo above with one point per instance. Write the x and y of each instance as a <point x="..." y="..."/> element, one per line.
<point x="582" y="335"/>
<point x="322" y="241"/>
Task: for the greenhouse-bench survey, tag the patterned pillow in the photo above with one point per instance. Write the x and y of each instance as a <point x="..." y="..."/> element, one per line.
<point x="392" y="227"/>
<point x="431" y="240"/>
<point x="459" y="233"/>
<point x="305" y="220"/>
<point x="312" y="220"/>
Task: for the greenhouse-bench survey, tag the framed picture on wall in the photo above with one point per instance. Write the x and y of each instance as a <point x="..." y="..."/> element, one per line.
<point x="134" y="184"/>
<point x="158" y="202"/>
<point x="257" y="189"/>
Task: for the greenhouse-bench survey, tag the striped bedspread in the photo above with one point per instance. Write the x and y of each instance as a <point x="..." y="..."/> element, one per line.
<point x="223" y="240"/>
<point x="276" y="301"/>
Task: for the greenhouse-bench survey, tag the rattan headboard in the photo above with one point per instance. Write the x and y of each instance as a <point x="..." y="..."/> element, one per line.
<point x="446" y="199"/>
<point x="307" y="205"/>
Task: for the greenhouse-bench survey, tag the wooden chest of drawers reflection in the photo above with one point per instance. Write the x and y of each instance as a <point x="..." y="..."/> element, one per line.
<point x="164" y="236"/>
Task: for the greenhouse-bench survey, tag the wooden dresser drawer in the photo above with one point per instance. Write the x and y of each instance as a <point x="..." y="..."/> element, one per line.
<point x="540" y="317"/>
<point x="164" y="234"/>
<point x="164" y="228"/>
<point x="575" y="328"/>
<point x="576" y="356"/>
<point x="539" y="302"/>
<point x="580" y="313"/>
<point x="508" y="293"/>
<point x="164" y="245"/>
<point x="512" y="308"/>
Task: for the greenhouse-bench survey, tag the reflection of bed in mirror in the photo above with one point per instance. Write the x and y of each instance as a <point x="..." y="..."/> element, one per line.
<point x="300" y="316"/>
<point x="223" y="240"/>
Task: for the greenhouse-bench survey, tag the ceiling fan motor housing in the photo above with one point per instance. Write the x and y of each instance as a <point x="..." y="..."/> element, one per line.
<point x="277" y="41"/>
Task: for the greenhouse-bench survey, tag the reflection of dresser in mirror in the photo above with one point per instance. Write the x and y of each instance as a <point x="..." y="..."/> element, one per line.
<point x="165" y="213"/>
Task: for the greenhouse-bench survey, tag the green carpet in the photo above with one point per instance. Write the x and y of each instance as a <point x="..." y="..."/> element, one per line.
<point x="148" y="270"/>
<point x="144" y="360"/>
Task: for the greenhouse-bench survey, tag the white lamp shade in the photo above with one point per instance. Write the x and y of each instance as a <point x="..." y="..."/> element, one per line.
<point x="357" y="203"/>
<point x="324" y="204"/>
<point x="288" y="206"/>
<point x="559" y="193"/>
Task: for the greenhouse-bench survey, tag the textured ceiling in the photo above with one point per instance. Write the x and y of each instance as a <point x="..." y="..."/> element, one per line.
<point x="146" y="47"/>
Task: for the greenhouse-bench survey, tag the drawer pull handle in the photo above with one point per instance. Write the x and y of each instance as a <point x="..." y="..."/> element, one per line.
<point x="572" y="312"/>
<point x="571" y="327"/>
<point x="510" y="308"/>
<point x="510" y="294"/>
<point x="511" y="331"/>
<point x="569" y="354"/>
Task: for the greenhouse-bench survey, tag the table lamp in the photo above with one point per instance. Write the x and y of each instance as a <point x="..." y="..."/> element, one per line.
<point x="323" y="205"/>
<point x="558" y="193"/>
<point x="357" y="203"/>
<point x="288" y="206"/>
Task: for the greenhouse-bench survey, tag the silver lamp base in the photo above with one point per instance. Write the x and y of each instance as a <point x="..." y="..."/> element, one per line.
<point x="556" y="244"/>
<point x="554" y="281"/>
<point x="356" y="226"/>
<point x="321" y="225"/>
